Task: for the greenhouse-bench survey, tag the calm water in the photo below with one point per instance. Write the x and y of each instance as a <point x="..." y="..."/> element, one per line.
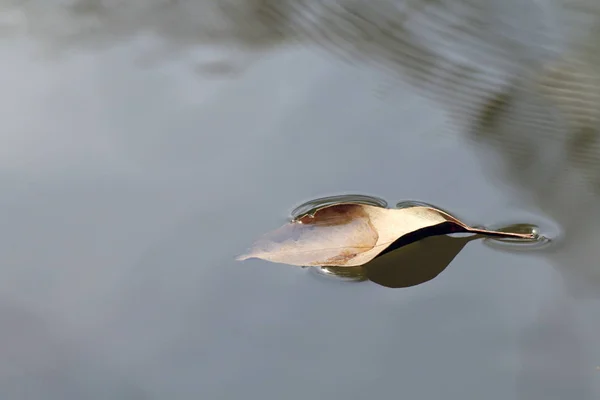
<point x="127" y="191"/>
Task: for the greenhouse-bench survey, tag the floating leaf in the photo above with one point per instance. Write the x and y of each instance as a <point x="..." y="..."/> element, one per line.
<point x="352" y="234"/>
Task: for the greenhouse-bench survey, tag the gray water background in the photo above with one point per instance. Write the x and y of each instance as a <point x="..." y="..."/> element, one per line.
<point x="127" y="191"/>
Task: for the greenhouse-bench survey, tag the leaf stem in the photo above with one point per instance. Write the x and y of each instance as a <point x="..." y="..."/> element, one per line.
<point x="504" y="235"/>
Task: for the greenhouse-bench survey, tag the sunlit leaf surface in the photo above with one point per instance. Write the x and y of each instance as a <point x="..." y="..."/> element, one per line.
<point x="353" y="234"/>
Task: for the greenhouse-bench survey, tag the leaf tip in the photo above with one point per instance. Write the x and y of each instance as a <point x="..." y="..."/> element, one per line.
<point x="243" y="257"/>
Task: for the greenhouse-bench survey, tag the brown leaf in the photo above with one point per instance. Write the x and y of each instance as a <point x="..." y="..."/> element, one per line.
<point x="349" y="234"/>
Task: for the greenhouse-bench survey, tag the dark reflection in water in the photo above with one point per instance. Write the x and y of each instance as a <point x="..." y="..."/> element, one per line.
<point x="416" y="262"/>
<point x="347" y="274"/>
<point x="409" y="265"/>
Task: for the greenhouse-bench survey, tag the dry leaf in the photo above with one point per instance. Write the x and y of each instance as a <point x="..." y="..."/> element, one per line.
<point x="351" y="234"/>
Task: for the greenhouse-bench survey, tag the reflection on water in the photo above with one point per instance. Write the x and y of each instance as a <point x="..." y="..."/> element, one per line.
<point x="409" y="265"/>
<point x="346" y="274"/>
<point x="417" y="262"/>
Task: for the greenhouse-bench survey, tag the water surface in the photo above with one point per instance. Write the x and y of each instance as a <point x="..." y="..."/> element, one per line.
<point x="128" y="191"/>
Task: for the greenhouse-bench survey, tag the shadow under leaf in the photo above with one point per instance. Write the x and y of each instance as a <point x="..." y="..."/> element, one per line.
<point x="413" y="259"/>
<point x="417" y="262"/>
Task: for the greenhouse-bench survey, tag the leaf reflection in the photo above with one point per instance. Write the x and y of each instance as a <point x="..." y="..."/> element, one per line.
<point x="407" y="264"/>
<point x="417" y="262"/>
